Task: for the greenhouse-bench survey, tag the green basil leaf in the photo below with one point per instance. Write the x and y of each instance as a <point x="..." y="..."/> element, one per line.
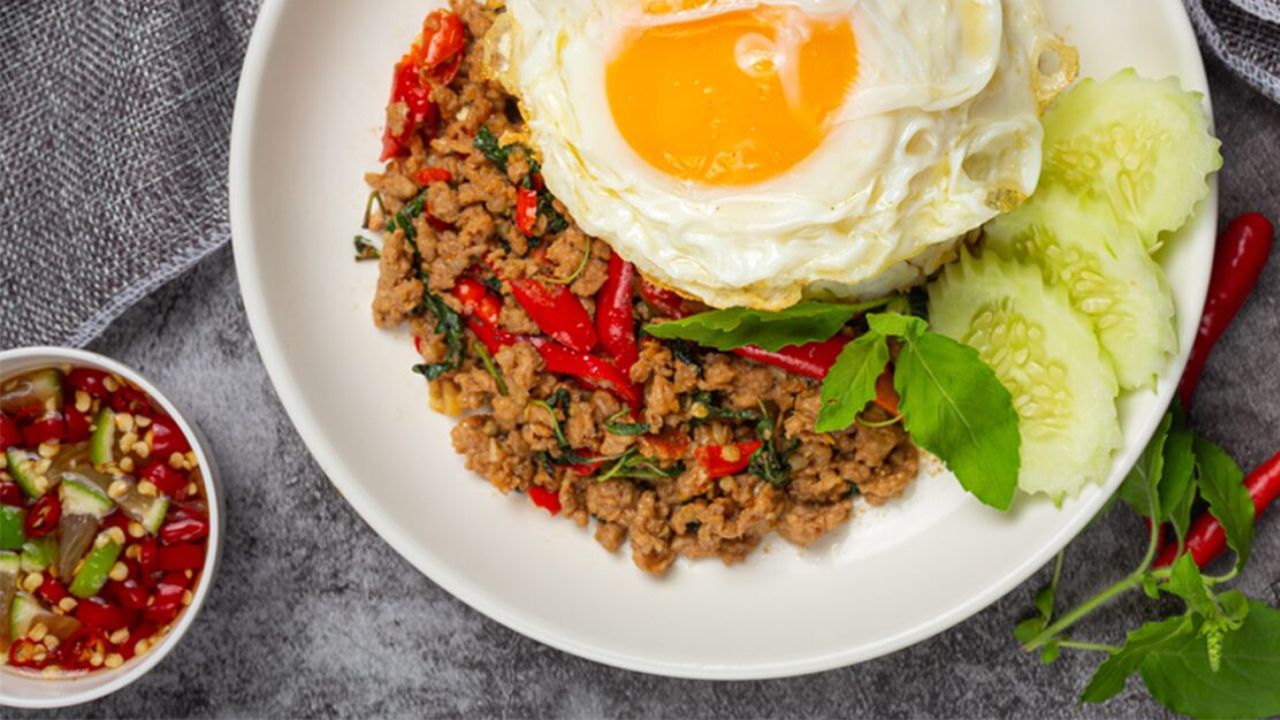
<point x="1179" y="469"/>
<point x="1247" y="683"/>
<point x="893" y="324"/>
<point x="954" y="406"/>
<point x="851" y="382"/>
<point x="1222" y="485"/>
<point x="805" y="322"/>
<point x="1140" y="489"/>
<point x="1186" y="582"/>
<point x="1108" y="680"/>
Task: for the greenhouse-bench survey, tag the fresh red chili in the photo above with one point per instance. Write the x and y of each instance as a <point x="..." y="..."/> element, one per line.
<point x="1206" y="539"/>
<point x="557" y="312"/>
<point x="615" y="314"/>
<point x="165" y="478"/>
<point x="545" y="499"/>
<point x="99" y="613"/>
<point x="180" y="557"/>
<point x="11" y="494"/>
<point x="477" y="300"/>
<point x="128" y="593"/>
<point x="51" y="589"/>
<point x="42" y="518"/>
<point x="1241" y="255"/>
<point x="167" y="439"/>
<point x="493" y="338"/>
<point x="440" y="52"/>
<point x="592" y="369"/>
<point x="148" y="552"/>
<point x="810" y="360"/>
<point x="92" y="382"/>
<point x="51" y="428"/>
<point x="165" y="602"/>
<point x="184" y="530"/>
<point x="127" y="400"/>
<point x="10" y="434"/>
<point x="77" y="426"/>
<point x="77" y="651"/>
<point x="667" y="302"/>
<point x="724" y="460"/>
<point x="526" y="210"/>
<point x="429" y="175"/>
<point x="23" y="653"/>
<point x="886" y="394"/>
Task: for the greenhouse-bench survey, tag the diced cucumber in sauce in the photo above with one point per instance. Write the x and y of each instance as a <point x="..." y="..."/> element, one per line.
<point x="147" y="511"/>
<point x="39" y="554"/>
<point x="11" y="533"/>
<point x="35" y="388"/>
<point x="22" y="615"/>
<point x="102" y="442"/>
<point x="1046" y="354"/>
<point x="21" y="465"/>
<point x="97" y="565"/>
<point x="82" y="497"/>
<point x="9" y="566"/>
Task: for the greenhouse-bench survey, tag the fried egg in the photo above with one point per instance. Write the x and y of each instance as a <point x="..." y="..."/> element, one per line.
<point x="749" y="153"/>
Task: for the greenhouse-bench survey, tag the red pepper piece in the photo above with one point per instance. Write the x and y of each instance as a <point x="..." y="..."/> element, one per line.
<point x="167" y="439"/>
<point x="557" y="312"/>
<point x="724" y="460"/>
<point x="407" y="87"/>
<point x="429" y="175"/>
<point x="615" y="314"/>
<point x="1241" y="255"/>
<point x="184" y="530"/>
<point x="1206" y="539"/>
<point x="23" y="654"/>
<point x="545" y="499"/>
<point x="810" y="360"/>
<point x="76" y="652"/>
<point x="92" y="382"/>
<point x="443" y="38"/>
<point x="477" y="300"/>
<point x="42" y="518"/>
<point x="11" y="494"/>
<point x="526" y="210"/>
<point x="48" y="429"/>
<point x="148" y="556"/>
<point x="128" y="400"/>
<point x="51" y="589"/>
<point x="165" y="478"/>
<point x="667" y="302"/>
<point x="129" y="594"/>
<point x="592" y="369"/>
<point x="886" y="394"/>
<point x="164" y="603"/>
<point x="180" y="557"/>
<point x="493" y="338"/>
<point x="99" y="613"/>
<point x="77" y="426"/>
<point x="589" y="468"/>
<point x="10" y="434"/>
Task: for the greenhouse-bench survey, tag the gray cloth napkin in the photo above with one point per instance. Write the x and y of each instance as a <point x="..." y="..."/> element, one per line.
<point x="116" y="118"/>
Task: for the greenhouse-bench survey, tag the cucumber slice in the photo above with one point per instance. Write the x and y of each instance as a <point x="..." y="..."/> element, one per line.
<point x="23" y="614"/>
<point x="96" y="566"/>
<point x="11" y="533"/>
<point x="39" y="554"/>
<point x="1046" y="354"/>
<point x="103" y="441"/>
<point x="21" y="465"/>
<point x="33" y="389"/>
<point x="1143" y="145"/>
<point x="82" y="497"/>
<point x="1080" y="245"/>
<point x="9" y="563"/>
<point x="149" y="511"/>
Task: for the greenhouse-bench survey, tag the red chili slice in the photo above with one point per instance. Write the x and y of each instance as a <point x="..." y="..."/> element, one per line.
<point x="52" y="589"/>
<point x="49" y="429"/>
<point x="557" y="312"/>
<point x="477" y="300"/>
<point x="592" y="369"/>
<point x="443" y="38"/>
<point x="77" y="426"/>
<point x="165" y="478"/>
<point x="128" y="400"/>
<point x="92" y="382"/>
<point x="23" y="654"/>
<point x="180" y="557"/>
<point x="129" y="594"/>
<point x="42" y="518"/>
<point x="184" y="530"/>
<point x="667" y="302"/>
<point x="810" y="360"/>
<point x="165" y="603"/>
<point x="167" y="439"/>
<point x="886" y="394"/>
<point x="724" y="460"/>
<point x="11" y="494"/>
<point x="77" y="651"/>
<point x="615" y="314"/>
<point x="99" y="613"/>
<point x="429" y="175"/>
<point x="526" y="210"/>
<point x="545" y="499"/>
<point x="10" y="434"/>
<point x="148" y="556"/>
<point x="493" y="338"/>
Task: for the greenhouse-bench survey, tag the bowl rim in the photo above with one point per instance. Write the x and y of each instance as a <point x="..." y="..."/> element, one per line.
<point x="135" y="667"/>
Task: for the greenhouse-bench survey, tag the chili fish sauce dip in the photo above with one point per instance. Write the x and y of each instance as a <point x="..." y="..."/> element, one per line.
<point x="104" y="521"/>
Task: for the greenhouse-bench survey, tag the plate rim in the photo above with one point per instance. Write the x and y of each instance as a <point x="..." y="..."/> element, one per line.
<point x="507" y="614"/>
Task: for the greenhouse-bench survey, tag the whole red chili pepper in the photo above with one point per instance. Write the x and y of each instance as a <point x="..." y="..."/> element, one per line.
<point x="429" y="175"/>
<point x="545" y="499"/>
<point x="526" y="210"/>
<point x="43" y="517"/>
<point x="724" y="460"/>
<point x="1241" y="255"/>
<point x="1206" y="539"/>
<point x="477" y="300"/>
<point x="557" y="312"/>
<point x="10" y="434"/>
<point x="810" y="360"/>
<point x="615" y="314"/>
<point x="667" y="302"/>
<point x="592" y="369"/>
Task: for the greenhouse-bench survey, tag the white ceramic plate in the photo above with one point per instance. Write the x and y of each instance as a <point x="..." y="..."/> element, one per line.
<point x="307" y="126"/>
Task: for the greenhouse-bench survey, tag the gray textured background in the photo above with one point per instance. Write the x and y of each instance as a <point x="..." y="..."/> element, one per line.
<point x="313" y="615"/>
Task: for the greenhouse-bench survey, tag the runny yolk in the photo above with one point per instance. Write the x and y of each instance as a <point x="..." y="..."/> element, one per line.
<point x="733" y="98"/>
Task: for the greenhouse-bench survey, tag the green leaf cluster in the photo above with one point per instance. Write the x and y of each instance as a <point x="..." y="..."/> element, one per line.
<point x="805" y="322"/>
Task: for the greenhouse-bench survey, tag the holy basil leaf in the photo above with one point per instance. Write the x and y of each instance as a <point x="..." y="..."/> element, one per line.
<point x="1186" y="582"/>
<point x="1177" y="479"/>
<point x="805" y="322"/>
<point x="1247" y="683"/>
<point x="897" y="325"/>
<point x="1108" y="680"/>
<point x="954" y="406"/>
<point x="851" y="381"/>
<point x="1222" y="485"/>
<point x="1140" y="489"/>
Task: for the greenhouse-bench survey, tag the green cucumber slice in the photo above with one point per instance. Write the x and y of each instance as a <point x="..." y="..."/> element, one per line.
<point x="11" y="533"/>
<point x="22" y="614"/>
<point x="9" y="563"/>
<point x="1046" y="354"/>
<point x="82" y="497"/>
<point x="1079" y="244"/>
<point x="96" y="566"/>
<point x="103" y="441"/>
<point x="39" y="554"/>
<point x="33" y="389"/>
<point x="1143" y="145"/>
<point x="21" y="465"/>
<point x="149" y="511"/>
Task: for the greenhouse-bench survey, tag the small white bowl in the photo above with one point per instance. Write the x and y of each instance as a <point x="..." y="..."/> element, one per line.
<point x="24" y="690"/>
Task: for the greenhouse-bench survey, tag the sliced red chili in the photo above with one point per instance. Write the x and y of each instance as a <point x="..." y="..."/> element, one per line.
<point x="493" y="338"/>
<point x="545" y="499"/>
<point x="180" y="557"/>
<point x="42" y="518"/>
<point x="557" y="312"/>
<point x="886" y="394"/>
<point x="51" y="428"/>
<point x="10" y="434"/>
<point x="810" y="360"/>
<point x="165" y="478"/>
<point x="667" y="445"/>
<point x="11" y="494"/>
<point x="51" y="589"/>
<point x="148" y="556"/>
<point x="128" y="593"/>
<point x="724" y="460"/>
<point x="92" y="382"/>
<point x="477" y="300"/>
<point x="526" y="210"/>
<point x="592" y="369"/>
<point x="77" y="651"/>
<point x="29" y="654"/>
<point x="615" y="314"/>
<point x="128" y="400"/>
<point x="429" y="175"/>
<point x="164" y="603"/>
<point x="184" y="530"/>
<point x="77" y="426"/>
<point x="667" y="302"/>
<point x="167" y="439"/>
<point x="443" y="38"/>
<point x="99" y="613"/>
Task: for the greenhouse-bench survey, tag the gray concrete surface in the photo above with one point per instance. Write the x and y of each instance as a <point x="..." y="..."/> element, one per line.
<point x="313" y="615"/>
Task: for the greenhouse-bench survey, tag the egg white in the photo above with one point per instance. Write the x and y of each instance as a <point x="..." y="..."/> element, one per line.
<point x="940" y="132"/>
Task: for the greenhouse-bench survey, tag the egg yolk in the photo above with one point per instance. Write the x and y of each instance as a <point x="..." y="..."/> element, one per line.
<point x="733" y="98"/>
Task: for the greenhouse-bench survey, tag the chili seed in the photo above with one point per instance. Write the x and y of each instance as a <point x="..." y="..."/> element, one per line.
<point x="119" y="572"/>
<point x="83" y="401"/>
<point x="148" y="488"/>
<point x="38" y="631"/>
<point x="187" y="597"/>
<point x="119" y="637"/>
<point x="110" y="384"/>
<point x="50" y="641"/>
<point x="192" y="462"/>
<point x="114" y="660"/>
<point x="32" y="581"/>
<point x="142" y="421"/>
<point x="192" y="489"/>
<point x="126" y="463"/>
<point x="136" y="531"/>
<point x="176" y="461"/>
<point x="67" y="604"/>
<point x="116" y="535"/>
<point x="133" y="551"/>
<point x="50" y="672"/>
<point x="124" y="422"/>
<point x="40" y="654"/>
<point x="142" y="449"/>
<point x="42" y="466"/>
<point x="127" y="441"/>
<point x="97" y="659"/>
<point x="117" y="489"/>
<point x="142" y="647"/>
<point x="47" y="450"/>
